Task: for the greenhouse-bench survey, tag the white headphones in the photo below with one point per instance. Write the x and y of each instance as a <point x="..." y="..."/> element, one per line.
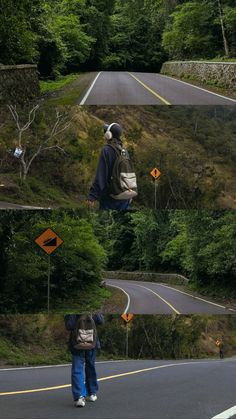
<point x="108" y="133"/>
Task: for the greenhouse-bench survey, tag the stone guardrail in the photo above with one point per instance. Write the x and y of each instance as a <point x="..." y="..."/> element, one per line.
<point x="18" y="83"/>
<point x="171" y="278"/>
<point x="221" y="74"/>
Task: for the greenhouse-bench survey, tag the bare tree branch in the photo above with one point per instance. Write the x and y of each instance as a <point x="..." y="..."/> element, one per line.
<point x="58" y="128"/>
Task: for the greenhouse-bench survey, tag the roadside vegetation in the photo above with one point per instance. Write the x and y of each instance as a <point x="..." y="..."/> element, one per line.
<point x="75" y="267"/>
<point x="198" y="244"/>
<point x="52" y="85"/>
<point x="39" y="340"/>
<point x="70" y="36"/>
<point x="193" y="147"/>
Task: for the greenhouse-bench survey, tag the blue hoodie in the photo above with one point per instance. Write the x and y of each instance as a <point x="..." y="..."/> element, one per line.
<point x="99" y="188"/>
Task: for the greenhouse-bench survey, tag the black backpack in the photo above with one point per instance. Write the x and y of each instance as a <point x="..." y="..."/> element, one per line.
<point x="84" y="335"/>
<point x="123" y="182"/>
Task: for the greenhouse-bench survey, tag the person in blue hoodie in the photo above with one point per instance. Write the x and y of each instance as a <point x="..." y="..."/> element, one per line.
<point x="99" y="189"/>
<point x="83" y="372"/>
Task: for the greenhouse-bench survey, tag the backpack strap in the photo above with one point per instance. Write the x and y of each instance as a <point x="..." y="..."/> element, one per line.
<point x="116" y="147"/>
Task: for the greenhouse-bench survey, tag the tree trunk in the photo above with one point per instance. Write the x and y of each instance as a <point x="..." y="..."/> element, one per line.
<point x="226" y="45"/>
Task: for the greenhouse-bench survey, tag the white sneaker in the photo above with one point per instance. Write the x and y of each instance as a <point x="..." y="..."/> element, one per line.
<point x="92" y="398"/>
<point x="80" y="402"/>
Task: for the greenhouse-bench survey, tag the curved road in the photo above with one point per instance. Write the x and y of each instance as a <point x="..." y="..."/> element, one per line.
<point x="124" y="88"/>
<point x="157" y="298"/>
<point x="128" y="389"/>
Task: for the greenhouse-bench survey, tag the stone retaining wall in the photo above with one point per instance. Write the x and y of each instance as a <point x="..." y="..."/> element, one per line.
<point x="18" y="83"/>
<point x="221" y="74"/>
<point x="146" y="276"/>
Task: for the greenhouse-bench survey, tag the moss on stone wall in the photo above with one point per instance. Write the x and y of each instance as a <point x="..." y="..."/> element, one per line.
<point x="220" y="74"/>
<point x="18" y="84"/>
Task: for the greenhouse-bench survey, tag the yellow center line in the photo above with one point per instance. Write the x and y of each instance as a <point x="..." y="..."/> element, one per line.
<point x="38" y="390"/>
<point x="166" y="302"/>
<point x="162" y="99"/>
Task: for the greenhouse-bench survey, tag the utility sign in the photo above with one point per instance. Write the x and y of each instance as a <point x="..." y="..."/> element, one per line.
<point x="155" y="173"/>
<point x="49" y="241"/>
<point x="127" y="317"/>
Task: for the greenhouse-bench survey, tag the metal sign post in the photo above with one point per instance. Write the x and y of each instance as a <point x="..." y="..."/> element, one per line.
<point x="127" y="318"/>
<point x="155" y="173"/>
<point x="155" y="194"/>
<point x="127" y="341"/>
<point x="49" y="277"/>
<point x="49" y="241"/>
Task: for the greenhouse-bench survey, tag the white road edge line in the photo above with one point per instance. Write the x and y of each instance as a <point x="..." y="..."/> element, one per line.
<point x="127" y="295"/>
<point x="56" y="366"/>
<point x="199" y="88"/>
<point x="90" y="89"/>
<point x="166" y="302"/>
<point x="197" y="298"/>
<point x="226" y="414"/>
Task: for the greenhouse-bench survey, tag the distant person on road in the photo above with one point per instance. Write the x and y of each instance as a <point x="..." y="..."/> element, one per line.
<point x="83" y="343"/>
<point x="221" y="350"/>
<point x="115" y="183"/>
<point x="220" y="344"/>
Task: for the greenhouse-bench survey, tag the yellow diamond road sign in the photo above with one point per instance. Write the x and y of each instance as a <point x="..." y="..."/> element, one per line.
<point x="49" y="241"/>
<point x="127" y="317"/>
<point x="155" y="173"/>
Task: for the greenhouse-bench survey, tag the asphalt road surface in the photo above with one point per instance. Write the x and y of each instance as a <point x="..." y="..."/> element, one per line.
<point x="155" y="298"/>
<point x="128" y="389"/>
<point x="124" y="88"/>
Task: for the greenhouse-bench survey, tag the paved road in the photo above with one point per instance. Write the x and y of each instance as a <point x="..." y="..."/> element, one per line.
<point x="124" y="88"/>
<point x="167" y="389"/>
<point x="155" y="298"/>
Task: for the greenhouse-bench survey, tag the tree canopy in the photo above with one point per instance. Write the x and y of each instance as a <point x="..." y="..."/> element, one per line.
<point x="199" y="244"/>
<point x="64" y="36"/>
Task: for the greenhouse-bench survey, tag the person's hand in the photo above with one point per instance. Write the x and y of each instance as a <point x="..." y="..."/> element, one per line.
<point x="90" y="204"/>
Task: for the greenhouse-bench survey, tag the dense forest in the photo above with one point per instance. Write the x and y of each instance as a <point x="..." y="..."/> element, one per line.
<point x="64" y="36"/>
<point x="193" y="147"/>
<point x="37" y="339"/>
<point x="75" y="267"/>
<point x="199" y="244"/>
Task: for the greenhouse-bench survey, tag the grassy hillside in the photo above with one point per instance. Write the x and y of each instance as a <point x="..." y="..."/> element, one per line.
<point x="37" y="340"/>
<point x="197" y="163"/>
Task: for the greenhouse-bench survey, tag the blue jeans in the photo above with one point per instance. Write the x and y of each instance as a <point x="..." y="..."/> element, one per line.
<point x="83" y="374"/>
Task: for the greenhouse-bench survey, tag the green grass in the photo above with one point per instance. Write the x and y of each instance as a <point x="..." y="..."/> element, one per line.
<point x="217" y="291"/>
<point x="38" y="192"/>
<point x="53" y="85"/>
<point x="26" y="355"/>
<point x="116" y="303"/>
<point x="87" y="301"/>
<point x="66" y="91"/>
<point x="67" y="100"/>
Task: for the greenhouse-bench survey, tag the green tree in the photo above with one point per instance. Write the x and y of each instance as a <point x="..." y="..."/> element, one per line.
<point x="63" y="43"/>
<point x="18" y="43"/>
<point x="190" y="32"/>
<point x="76" y="266"/>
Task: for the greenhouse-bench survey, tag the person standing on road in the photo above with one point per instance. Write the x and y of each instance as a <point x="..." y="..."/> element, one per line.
<point x="221" y="349"/>
<point x="83" y="343"/>
<point x="220" y="344"/>
<point x="115" y="183"/>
